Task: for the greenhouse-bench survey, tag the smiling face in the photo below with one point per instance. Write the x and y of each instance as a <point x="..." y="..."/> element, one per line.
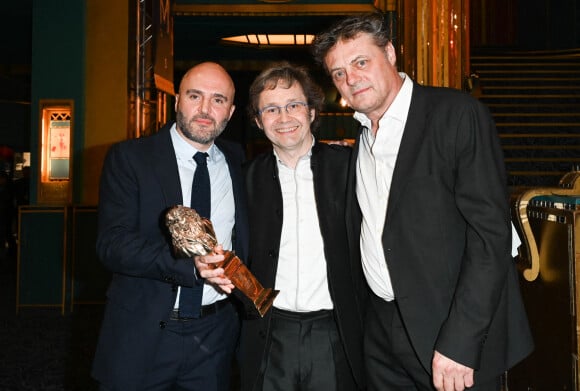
<point x="204" y="104"/>
<point x="290" y="134"/>
<point x="364" y="74"/>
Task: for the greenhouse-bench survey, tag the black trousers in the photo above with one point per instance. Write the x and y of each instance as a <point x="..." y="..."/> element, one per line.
<point x="390" y="360"/>
<point x="305" y="353"/>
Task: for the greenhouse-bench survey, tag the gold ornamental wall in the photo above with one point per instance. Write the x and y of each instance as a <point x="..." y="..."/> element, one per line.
<point x="434" y="44"/>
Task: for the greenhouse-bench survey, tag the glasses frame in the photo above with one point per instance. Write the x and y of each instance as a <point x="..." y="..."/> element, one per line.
<point x="279" y="108"/>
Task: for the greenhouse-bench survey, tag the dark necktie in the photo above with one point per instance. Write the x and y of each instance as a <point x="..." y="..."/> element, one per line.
<point x="190" y="298"/>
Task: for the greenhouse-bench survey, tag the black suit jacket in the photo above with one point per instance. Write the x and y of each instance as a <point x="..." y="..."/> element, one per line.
<point x="447" y="236"/>
<point x="346" y="283"/>
<point x="139" y="182"/>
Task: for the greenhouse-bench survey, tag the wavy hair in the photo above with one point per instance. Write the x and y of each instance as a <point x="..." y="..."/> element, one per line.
<point x="349" y="28"/>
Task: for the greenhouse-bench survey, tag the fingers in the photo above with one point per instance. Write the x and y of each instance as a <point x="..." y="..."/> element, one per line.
<point x="208" y="269"/>
<point x="222" y="284"/>
<point x="208" y="262"/>
<point x="218" y="249"/>
<point x="449" y="375"/>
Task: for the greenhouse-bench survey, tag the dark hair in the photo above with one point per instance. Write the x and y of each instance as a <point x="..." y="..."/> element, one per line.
<point x="349" y="28"/>
<point x="284" y="74"/>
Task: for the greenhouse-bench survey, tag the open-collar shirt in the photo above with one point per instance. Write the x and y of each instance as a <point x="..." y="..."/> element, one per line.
<point x="374" y="173"/>
<point x="301" y="274"/>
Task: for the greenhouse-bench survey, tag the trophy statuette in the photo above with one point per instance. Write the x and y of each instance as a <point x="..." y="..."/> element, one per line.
<point x="193" y="235"/>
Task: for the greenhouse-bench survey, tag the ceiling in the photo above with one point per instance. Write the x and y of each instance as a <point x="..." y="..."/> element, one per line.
<point x="199" y="27"/>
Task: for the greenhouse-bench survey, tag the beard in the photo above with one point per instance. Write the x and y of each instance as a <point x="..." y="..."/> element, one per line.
<point x="199" y="134"/>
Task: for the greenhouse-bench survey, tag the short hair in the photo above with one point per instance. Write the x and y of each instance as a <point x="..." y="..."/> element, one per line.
<point x="349" y="28"/>
<point x="286" y="75"/>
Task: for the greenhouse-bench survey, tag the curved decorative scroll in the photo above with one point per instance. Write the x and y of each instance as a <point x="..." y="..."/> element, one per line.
<point x="528" y="252"/>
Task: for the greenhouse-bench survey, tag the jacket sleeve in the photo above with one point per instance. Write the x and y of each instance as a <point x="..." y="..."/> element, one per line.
<point x="481" y="198"/>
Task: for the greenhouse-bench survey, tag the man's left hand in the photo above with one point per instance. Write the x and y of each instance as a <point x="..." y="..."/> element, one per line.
<point x="205" y="265"/>
<point x="449" y="375"/>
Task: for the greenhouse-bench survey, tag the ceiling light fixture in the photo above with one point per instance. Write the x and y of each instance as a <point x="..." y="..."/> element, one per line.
<point x="271" y="39"/>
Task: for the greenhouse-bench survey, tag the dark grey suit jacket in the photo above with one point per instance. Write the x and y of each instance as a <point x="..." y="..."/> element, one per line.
<point x="139" y="182"/>
<point x="346" y="284"/>
<point x="447" y="236"/>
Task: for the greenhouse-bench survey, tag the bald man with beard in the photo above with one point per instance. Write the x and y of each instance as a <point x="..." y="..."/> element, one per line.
<point x="147" y="341"/>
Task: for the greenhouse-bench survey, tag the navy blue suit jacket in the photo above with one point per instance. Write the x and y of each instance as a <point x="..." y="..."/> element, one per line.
<point x="139" y="182"/>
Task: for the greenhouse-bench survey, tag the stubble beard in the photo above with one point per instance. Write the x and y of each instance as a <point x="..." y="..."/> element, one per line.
<point x="201" y="135"/>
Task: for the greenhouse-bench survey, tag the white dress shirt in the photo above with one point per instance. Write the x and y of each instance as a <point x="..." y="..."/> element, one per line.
<point x="222" y="197"/>
<point x="301" y="276"/>
<point x="374" y="172"/>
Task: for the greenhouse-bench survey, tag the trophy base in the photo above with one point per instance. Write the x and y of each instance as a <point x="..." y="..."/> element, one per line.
<point x="265" y="300"/>
<point x="246" y="282"/>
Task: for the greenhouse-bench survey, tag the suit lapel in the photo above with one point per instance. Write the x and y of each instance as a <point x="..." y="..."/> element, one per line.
<point x="165" y="167"/>
<point x="410" y="145"/>
<point x="351" y="201"/>
<point x="353" y="214"/>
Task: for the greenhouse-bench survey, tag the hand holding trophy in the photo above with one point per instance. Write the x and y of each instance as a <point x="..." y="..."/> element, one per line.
<point x="193" y="235"/>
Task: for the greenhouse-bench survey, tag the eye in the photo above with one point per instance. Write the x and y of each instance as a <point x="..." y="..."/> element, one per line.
<point x="270" y="110"/>
<point x="219" y="100"/>
<point x="361" y="63"/>
<point x="338" y="75"/>
<point x="292" y="106"/>
<point x="194" y="96"/>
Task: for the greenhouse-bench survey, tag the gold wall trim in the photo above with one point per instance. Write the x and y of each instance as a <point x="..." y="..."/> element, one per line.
<point x="269" y="9"/>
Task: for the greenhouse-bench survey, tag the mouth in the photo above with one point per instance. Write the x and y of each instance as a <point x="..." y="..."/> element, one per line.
<point x="287" y="129"/>
<point x="360" y="91"/>
<point x="203" y="121"/>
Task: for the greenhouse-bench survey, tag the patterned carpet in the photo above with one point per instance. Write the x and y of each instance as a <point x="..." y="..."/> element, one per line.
<point x="40" y="349"/>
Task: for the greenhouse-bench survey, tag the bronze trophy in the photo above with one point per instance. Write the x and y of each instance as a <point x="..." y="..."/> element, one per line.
<point x="193" y="235"/>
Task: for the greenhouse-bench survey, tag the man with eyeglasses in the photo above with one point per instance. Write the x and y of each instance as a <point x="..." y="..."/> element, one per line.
<point x="312" y="337"/>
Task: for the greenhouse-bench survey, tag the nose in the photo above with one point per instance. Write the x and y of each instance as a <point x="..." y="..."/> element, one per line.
<point x="283" y="114"/>
<point x="352" y="77"/>
<point x="204" y="105"/>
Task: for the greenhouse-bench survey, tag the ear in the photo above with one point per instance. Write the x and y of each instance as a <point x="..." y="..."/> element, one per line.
<point x="312" y="115"/>
<point x="258" y="123"/>
<point x="232" y="109"/>
<point x="176" y="102"/>
<point x="391" y="54"/>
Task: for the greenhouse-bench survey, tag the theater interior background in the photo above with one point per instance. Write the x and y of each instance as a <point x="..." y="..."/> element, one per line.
<point x="79" y="75"/>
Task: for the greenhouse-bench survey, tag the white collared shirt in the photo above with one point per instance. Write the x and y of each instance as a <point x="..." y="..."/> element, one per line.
<point x="301" y="276"/>
<point x="222" y="197"/>
<point x="374" y="172"/>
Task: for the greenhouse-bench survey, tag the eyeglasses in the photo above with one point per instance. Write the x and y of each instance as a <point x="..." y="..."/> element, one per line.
<point x="274" y="111"/>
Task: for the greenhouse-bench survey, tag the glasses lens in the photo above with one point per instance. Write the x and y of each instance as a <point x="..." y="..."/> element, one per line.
<point x="271" y="111"/>
<point x="294" y="107"/>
